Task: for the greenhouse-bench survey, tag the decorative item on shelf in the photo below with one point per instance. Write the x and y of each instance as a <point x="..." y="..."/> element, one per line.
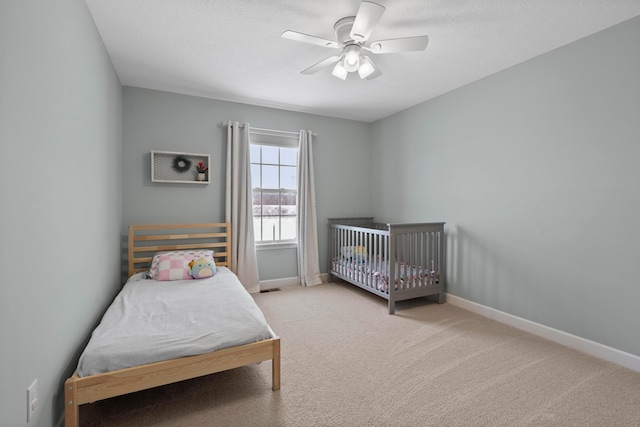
<point x="202" y="171"/>
<point x="181" y="164"/>
<point x="178" y="167"/>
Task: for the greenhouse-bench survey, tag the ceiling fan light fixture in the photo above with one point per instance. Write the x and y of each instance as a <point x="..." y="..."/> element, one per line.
<point x="340" y="71"/>
<point x="352" y="34"/>
<point x="352" y="57"/>
<point x="366" y="68"/>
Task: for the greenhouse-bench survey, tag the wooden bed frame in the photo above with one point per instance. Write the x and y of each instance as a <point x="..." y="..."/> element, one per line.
<point x="144" y="240"/>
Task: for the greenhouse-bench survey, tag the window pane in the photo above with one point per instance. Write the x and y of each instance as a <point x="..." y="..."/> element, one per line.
<point x="270" y="202"/>
<point x="257" y="203"/>
<point x="270" y="177"/>
<point x="289" y="156"/>
<point x="270" y="229"/>
<point x="270" y="155"/>
<point x="288" y="203"/>
<point x="255" y="153"/>
<point x="257" y="229"/>
<point x="255" y="176"/>
<point x="288" y="177"/>
<point x="288" y="228"/>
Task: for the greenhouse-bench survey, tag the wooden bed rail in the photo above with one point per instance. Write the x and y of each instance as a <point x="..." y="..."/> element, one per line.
<point x="81" y="390"/>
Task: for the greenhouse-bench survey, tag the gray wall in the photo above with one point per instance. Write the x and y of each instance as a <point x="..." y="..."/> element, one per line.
<point x="535" y="170"/>
<point x="60" y="195"/>
<point x="155" y="120"/>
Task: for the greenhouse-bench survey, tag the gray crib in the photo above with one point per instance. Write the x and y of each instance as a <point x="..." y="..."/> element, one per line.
<point x="394" y="261"/>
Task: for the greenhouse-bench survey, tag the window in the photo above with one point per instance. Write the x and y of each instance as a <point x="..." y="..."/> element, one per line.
<point x="274" y="181"/>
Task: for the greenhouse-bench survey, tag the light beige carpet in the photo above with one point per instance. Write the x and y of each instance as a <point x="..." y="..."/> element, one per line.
<point x="346" y="362"/>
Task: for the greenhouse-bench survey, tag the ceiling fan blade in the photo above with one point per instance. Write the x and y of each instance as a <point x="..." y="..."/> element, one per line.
<point x="407" y="44"/>
<point x="305" y="38"/>
<point x="324" y="63"/>
<point x="367" y="17"/>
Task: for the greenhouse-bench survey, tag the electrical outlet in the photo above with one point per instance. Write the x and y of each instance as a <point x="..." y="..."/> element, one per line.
<point x="32" y="399"/>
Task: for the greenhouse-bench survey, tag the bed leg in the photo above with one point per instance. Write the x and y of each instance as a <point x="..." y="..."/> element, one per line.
<point x="392" y="307"/>
<point x="442" y="298"/>
<point x="275" y="365"/>
<point x="71" y="410"/>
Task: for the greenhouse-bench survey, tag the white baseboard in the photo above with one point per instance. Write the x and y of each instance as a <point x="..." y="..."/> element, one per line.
<point x="265" y="285"/>
<point x="592" y="348"/>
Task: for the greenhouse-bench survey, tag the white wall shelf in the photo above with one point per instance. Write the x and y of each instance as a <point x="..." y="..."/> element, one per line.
<point x="163" y="162"/>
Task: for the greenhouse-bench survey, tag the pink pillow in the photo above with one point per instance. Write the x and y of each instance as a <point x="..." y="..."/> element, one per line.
<point x="185" y="254"/>
<point x="174" y="267"/>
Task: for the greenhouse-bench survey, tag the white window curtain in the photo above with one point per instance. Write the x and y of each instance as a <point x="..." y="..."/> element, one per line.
<point x="308" y="260"/>
<point x="239" y="207"/>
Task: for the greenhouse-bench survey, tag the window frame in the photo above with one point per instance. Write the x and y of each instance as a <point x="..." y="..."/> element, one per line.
<point x="279" y="139"/>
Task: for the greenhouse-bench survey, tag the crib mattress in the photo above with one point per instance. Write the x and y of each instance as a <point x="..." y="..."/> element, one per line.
<point x="150" y="321"/>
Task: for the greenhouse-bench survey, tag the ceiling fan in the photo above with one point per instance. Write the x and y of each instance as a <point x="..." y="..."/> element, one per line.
<point x="353" y="33"/>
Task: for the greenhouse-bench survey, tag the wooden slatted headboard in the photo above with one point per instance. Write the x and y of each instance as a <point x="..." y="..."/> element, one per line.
<point x="145" y="240"/>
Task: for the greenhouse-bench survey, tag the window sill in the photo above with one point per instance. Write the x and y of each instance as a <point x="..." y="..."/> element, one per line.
<point x="270" y="246"/>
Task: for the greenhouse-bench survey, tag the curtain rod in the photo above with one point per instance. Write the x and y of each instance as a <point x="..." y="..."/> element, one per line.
<point x="225" y="124"/>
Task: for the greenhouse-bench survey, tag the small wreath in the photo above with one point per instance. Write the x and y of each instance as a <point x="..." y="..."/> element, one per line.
<point x="181" y="164"/>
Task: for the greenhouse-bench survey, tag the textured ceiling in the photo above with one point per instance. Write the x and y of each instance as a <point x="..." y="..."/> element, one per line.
<point x="232" y="49"/>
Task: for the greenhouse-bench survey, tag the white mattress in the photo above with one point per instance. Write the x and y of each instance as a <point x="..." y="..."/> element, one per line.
<point x="151" y="321"/>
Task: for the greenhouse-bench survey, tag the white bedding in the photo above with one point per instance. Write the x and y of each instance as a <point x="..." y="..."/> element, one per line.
<point x="151" y="321"/>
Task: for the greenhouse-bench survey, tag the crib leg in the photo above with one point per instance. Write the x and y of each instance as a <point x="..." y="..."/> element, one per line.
<point x="442" y="298"/>
<point x="392" y="307"/>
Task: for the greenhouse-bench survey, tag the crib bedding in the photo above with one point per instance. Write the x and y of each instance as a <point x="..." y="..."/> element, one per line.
<point x="151" y="321"/>
<point x="375" y="273"/>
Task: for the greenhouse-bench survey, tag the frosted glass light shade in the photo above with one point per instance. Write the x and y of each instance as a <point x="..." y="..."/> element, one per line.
<point x="367" y="67"/>
<point x="340" y="71"/>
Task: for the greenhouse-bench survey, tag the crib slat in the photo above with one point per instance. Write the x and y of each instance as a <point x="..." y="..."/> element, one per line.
<point x="421" y="257"/>
<point x="370" y="261"/>
<point x="375" y="266"/>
